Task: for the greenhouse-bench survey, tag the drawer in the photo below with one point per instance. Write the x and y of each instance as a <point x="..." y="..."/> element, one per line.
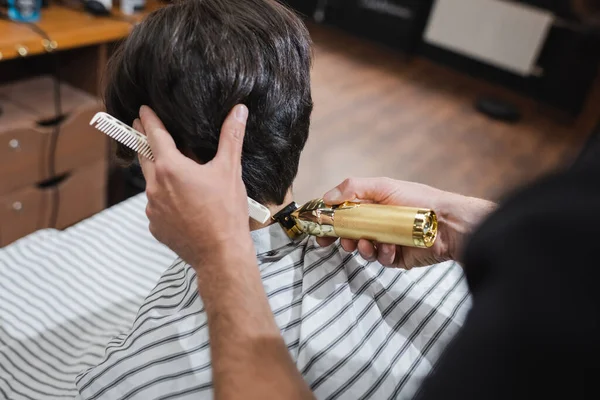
<point x="23" y="212"/>
<point x="79" y="144"/>
<point x="82" y="194"/>
<point x="22" y="150"/>
<point x="79" y="196"/>
<point x="25" y="145"/>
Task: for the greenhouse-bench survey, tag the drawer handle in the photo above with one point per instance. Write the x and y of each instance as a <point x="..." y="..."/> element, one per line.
<point x="14" y="144"/>
<point x="17" y="206"/>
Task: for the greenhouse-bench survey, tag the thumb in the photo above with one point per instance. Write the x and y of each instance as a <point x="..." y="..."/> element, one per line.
<point x="231" y="140"/>
<point x="376" y="190"/>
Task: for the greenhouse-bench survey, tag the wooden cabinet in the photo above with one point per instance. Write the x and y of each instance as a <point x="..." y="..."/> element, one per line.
<point x="22" y="212"/>
<point x="53" y="171"/>
<point x="81" y="194"/>
<point x="22" y="154"/>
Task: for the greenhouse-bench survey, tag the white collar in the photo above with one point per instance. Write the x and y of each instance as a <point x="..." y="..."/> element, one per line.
<point x="272" y="237"/>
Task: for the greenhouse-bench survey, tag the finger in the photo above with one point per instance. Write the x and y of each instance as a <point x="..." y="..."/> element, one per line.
<point x="159" y="139"/>
<point x="399" y="259"/>
<point x="386" y="254"/>
<point x="349" y="245"/>
<point x="146" y="164"/>
<point x="367" y="250"/>
<point x="325" y="241"/>
<point x="231" y="140"/>
<point x="372" y="189"/>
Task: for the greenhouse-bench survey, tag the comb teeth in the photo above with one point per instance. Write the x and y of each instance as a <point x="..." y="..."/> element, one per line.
<point x="122" y="133"/>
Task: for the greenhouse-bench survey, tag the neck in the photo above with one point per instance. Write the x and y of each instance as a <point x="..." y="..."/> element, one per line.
<point x="254" y="225"/>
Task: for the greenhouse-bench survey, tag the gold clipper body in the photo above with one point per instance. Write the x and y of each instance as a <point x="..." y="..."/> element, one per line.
<point x="404" y="226"/>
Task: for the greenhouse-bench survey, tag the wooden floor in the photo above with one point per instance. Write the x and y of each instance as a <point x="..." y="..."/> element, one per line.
<point x="379" y="115"/>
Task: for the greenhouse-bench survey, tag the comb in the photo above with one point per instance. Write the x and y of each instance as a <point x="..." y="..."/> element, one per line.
<point x="137" y="142"/>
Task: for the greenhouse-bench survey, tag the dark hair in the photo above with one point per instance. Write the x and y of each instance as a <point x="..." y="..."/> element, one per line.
<point x="194" y="60"/>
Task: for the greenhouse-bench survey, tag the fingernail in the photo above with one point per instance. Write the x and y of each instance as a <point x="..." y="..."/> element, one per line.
<point x="333" y="196"/>
<point x="241" y="113"/>
<point x="136" y="124"/>
<point x="385" y="249"/>
<point x="141" y="110"/>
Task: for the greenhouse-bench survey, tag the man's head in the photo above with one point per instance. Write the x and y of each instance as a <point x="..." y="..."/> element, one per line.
<point x="192" y="61"/>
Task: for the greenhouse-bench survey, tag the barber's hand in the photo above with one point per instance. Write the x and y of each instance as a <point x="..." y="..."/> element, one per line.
<point x="197" y="210"/>
<point x="457" y="217"/>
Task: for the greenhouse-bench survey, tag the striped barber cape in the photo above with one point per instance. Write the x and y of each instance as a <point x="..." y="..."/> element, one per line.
<point x="355" y="329"/>
<point x="65" y="294"/>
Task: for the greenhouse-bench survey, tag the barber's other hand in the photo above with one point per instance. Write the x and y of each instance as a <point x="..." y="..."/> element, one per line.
<point x="457" y="217"/>
<point x="197" y="210"/>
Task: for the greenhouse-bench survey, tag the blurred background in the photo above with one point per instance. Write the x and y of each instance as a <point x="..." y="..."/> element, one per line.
<point x="471" y="96"/>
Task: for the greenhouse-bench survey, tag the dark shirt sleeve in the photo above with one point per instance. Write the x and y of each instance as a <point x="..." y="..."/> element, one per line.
<point x="533" y="268"/>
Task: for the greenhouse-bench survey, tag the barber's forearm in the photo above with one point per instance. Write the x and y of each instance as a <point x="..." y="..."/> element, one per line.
<point x="249" y="357"/>
<point x="461" y="216"/>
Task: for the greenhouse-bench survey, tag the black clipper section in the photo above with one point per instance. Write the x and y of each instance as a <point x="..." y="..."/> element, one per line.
<point x="283" y="216"/>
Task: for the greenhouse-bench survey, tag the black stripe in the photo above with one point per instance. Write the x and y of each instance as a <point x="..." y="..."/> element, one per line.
<point x="76" y="277"/>
<point x="149" y="346"/>
<point x="331" y="296"/>
<point x="428" y="346"/>
<point x="149" y="364"/>
<point x="49" y="289"/>
<point x="73" y="246"/>
<point x="48" y="395"/>
<point x="48" y="300"/>
<point x="355" y="296"/>
<point x="189" y="286"/>
<point x="418" y="329"/>
<point x="317" y="285"/>
<point x="151" y="299"/>
<point x="132" y="254"/>
<point x="64" y="327"/>
<point x="316" y="357"/>
<point x="33" y="378"/>
<point x="293" y="344"/>
<point x="43" y="350"/>
<point x="12" y="350"/>
<point x="118" y="255"/>
<point x="115" y="257"/>
<point x="280" y="271"/>
<point x="299" y="282"/>
<point x="168" y="339"/>
<point x="287" y="249"/>
<point x="42" y="335"/>
<point x="343" y="361"/>
<point x="311" y="267"/>
<point x="176" y="395"/>
<point x="172" y="274"/>
<point x="55" y="282"/>
<point x="2" y="392"/>
<point x="13" y="390"/>
<point x="165" y="378"/>
<point x="117" y="338"/>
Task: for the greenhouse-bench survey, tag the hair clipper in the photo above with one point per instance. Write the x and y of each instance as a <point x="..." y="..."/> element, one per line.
<point x="404" y="226"/>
